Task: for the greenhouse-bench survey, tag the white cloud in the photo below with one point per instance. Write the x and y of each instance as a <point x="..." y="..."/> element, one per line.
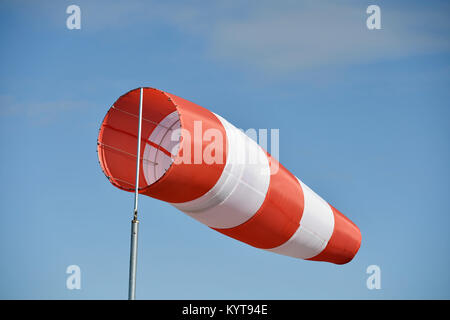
<point x="282" y="36"/>
<point x="296" y="37"/>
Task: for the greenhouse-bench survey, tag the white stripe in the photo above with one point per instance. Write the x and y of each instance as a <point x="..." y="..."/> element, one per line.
<point x="240" y="190"/>
<point x="315" y="230"/>
<point x="159" y="162"/>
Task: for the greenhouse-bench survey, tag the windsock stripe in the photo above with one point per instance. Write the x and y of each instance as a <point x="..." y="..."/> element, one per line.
<point x="315" y="230"/>
<point x="344" y="242"/>
<point x="279" y="216"/>
<point x="195" y="121"/>
<point x="240" y="190"/>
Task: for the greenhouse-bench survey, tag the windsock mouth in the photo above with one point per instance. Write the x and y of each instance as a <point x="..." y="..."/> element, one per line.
<point x="118" y="137"/>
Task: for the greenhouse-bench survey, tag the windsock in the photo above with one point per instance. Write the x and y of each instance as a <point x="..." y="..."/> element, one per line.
<point x="202" y="165"/>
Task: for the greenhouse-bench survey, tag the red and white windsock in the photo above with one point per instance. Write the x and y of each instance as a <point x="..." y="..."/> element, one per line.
<point x="207" y="168"/>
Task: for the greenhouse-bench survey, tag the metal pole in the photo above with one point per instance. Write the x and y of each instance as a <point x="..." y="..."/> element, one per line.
<point x="135" y="221"/>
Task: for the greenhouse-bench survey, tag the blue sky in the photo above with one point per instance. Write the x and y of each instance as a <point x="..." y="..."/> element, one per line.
<point x="363" y="118"/>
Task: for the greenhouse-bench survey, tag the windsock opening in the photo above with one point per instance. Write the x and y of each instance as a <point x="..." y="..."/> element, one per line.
<point x="174" y="140"/>
<point x="117" y="139"/>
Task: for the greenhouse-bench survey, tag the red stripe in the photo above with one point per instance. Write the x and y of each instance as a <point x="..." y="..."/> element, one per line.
<point x="187" y="181"/>
<point x="279" y="216"/>
<point x="344" y="242"/>
<point x="157" y="146"/>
